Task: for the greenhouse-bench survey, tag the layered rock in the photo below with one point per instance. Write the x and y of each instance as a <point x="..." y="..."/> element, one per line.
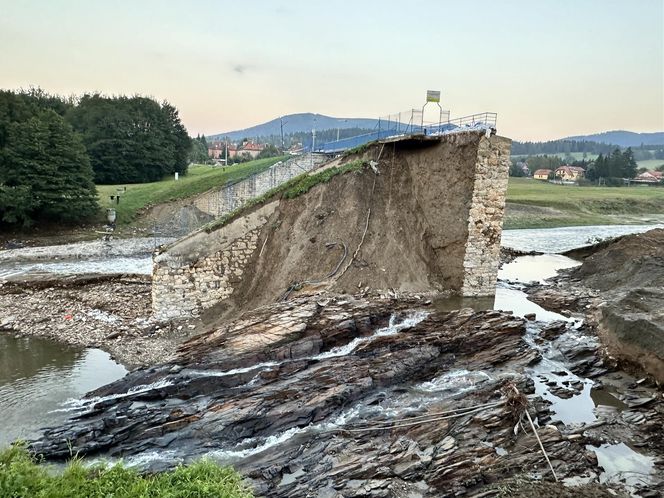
<point x="333" y="397"/>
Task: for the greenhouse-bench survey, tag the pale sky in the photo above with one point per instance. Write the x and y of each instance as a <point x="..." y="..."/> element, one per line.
<point x="549" y="68"/>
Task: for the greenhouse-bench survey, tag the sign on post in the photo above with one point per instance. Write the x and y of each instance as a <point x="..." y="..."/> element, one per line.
<point x="433" y="95"/>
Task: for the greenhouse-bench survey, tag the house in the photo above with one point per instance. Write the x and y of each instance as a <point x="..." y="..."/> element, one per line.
<point x="542" y="174"/>
<point x="216" y="150"/>
<point x="570" y="173"/>
<point x="251" y="148"/>
<point x="649" y="177"/>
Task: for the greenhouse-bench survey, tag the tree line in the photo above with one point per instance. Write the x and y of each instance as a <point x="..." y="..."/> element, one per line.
<point x="613" y="167"/>
<point x="54" y="149"/>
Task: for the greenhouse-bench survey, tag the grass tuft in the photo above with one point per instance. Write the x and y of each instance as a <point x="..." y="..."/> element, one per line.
<point x="22" y="476"/>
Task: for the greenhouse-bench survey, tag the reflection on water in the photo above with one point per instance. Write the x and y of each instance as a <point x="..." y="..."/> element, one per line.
<point x="552" y="240"/>
<point x="622" y="463"/>
<point x="535" y="268"/>
<point x="37" y="376"/>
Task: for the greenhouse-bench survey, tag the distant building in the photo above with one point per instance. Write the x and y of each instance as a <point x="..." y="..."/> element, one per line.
<point x="251" y="148"/>
<point x="649" y="177"/>
<point x="542" y="174"/>
<point x="570" y="173"/>
<point x="216" y="150"/>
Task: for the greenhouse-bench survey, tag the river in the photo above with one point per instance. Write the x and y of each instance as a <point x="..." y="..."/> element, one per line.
<point x="39" y="379"/>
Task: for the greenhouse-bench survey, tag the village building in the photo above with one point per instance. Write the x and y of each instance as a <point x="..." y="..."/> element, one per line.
<point x="570" y="173"/>
<point x="251" y="148"/>
<point x="216" y="150"/>
<point x="649" y="177"/>
<point x="542" y="174"/>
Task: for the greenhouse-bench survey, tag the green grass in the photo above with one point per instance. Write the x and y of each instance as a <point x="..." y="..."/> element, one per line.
<point x="291" y="189"/>
<point x="21" y="476"/>
<point x="537" y="204"/>
<point x="199" y="179"/>
<point x="650" y="163"/>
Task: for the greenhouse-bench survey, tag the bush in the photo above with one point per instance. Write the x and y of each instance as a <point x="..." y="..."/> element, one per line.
<point x="21" y="477"/>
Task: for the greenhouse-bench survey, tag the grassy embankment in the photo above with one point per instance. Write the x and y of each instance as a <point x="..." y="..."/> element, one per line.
<point x="199" y="179"/>
<point x="21" y="476"/>
<point x="537" y="204"/>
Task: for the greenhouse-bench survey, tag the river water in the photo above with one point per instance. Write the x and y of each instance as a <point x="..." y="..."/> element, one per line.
<point x="38" y="375"/>
<point x="39" y="378"/>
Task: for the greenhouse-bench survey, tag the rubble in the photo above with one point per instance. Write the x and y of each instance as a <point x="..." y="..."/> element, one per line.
<point x="111" y="312"/>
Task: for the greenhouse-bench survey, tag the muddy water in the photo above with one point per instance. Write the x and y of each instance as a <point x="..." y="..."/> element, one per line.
<point x="37" y="376"/>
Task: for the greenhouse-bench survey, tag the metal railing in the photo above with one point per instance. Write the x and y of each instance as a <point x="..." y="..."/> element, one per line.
<point x="411" y="123"/>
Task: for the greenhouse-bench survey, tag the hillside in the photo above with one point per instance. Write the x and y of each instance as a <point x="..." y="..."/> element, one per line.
<point x="294" y="123"/>
<point x="623" y="138"/>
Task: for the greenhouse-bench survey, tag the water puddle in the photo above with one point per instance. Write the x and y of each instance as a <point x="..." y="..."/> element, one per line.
<point x="623" y="465"/>
<point x="535" y="268"/>
<point x="37" y="376"/>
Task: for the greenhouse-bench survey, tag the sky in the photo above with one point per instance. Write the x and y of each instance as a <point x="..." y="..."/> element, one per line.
<point x="549" y="68"/>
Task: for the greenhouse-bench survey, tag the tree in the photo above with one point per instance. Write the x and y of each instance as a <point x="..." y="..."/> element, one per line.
<point x="45" y="171"/>
<point x="131" y="139"/>
<point x="629" y="165"/>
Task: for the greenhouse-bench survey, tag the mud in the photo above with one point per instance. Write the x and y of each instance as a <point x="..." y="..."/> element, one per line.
<point x="627" y="276"/>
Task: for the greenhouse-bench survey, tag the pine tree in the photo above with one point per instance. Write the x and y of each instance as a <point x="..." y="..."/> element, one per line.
<point x="629" y="166"/>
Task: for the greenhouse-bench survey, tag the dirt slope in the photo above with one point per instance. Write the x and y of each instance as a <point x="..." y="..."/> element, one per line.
<point x="415" y="236"/>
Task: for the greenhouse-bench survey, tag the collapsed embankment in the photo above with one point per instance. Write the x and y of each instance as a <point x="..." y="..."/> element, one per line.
<point x="629" y="275"/>
<point x="426" y="217"/>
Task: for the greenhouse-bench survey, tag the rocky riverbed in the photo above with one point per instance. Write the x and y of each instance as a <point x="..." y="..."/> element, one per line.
<point x="343" y="396"/>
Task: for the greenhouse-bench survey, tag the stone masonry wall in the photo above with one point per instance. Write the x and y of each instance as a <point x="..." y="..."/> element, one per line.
<point x="230" y="197"/>
<point x="204" y="268"/>
<point x="485" y="220"/>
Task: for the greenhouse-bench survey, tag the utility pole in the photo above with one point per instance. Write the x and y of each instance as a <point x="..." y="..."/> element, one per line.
<point x="313" y="143"/>
<point x="226" y="153"/>
<point x="281" y="125"/>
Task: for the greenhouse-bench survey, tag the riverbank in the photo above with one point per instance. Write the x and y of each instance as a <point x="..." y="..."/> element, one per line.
<point x="110" y="312"/>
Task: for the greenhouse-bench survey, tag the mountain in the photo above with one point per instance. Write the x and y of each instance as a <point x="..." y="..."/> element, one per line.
<point x="293" y="123"/>
<point x="623" y="138"/>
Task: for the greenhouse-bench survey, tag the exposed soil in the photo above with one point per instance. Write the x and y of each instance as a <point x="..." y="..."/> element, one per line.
<point x="413" y="240"/>
<point x="628" y="275"/>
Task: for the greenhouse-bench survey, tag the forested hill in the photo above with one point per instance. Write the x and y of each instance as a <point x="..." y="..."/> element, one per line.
<point x="296" y="123"/>
<point x="623" y="138"/>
